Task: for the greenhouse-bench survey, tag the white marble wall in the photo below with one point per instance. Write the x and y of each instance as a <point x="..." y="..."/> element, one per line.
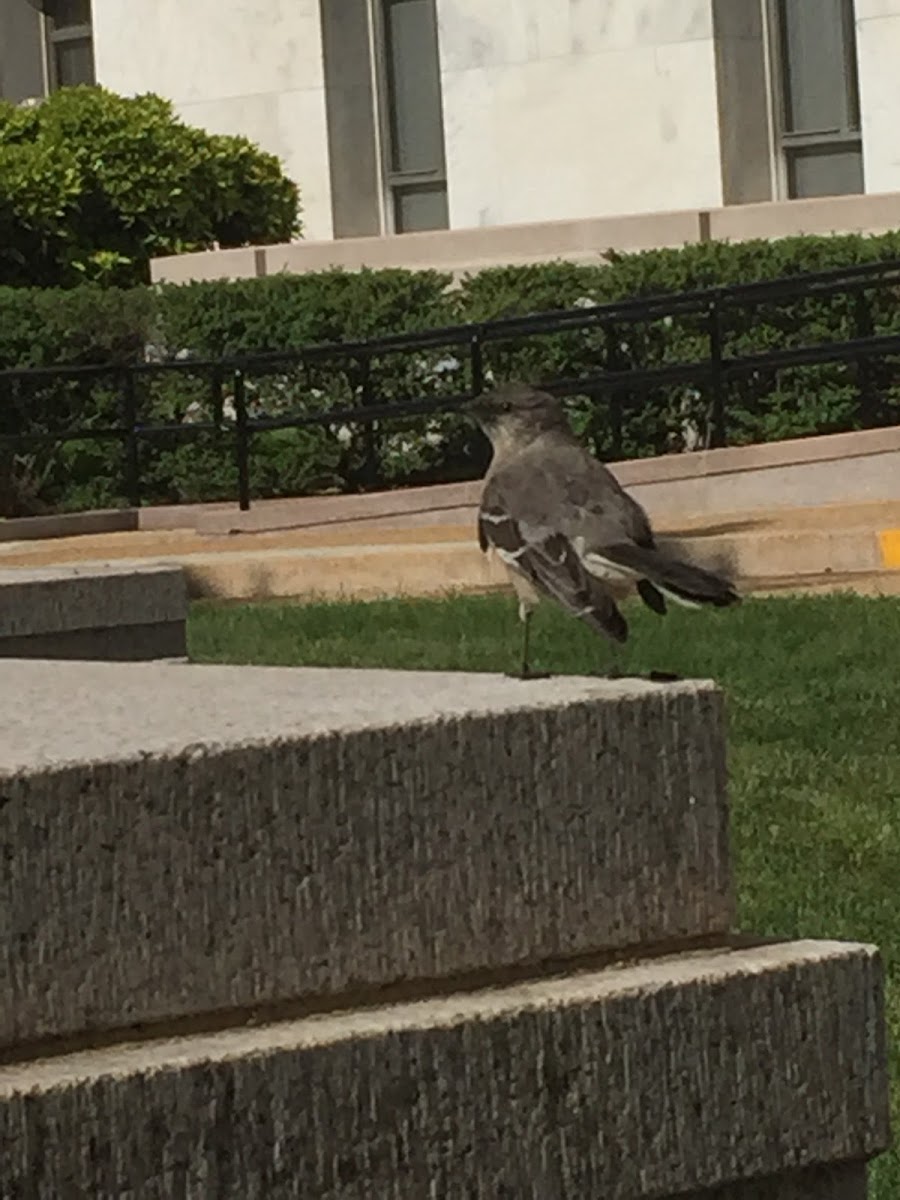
<point x="251" y="67"/>
<point x="553" y="109"/>
<point x="578" y="108"/>
<point x="878" y="51"/>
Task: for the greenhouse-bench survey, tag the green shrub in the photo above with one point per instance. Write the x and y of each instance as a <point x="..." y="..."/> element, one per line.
<point x="93" y="185"/>
<point x="208" y="320"/>
<point x="791" y="403"/>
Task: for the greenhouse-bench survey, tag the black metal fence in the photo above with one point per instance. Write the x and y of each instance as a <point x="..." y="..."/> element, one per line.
<point x="714" y="324"/>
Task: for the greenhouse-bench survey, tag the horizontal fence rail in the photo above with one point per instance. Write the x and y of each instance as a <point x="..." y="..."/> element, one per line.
<point x="610" y="380"/>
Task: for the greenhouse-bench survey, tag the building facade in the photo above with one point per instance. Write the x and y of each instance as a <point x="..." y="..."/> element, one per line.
<point x="403" y="115"/>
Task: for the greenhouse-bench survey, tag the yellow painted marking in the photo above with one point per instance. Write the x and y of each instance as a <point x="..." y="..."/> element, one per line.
<point x="890" y="548"/>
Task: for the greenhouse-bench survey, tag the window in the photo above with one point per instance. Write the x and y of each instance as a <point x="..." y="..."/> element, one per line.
<point x="21" y="52"/>
<point x="412" y="125"/>
<point x="819" y="97"/>
<point x="70" y="44"/>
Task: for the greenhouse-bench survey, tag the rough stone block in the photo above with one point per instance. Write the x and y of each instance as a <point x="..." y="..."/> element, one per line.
<point x="112" y="611"/>
<point x="181" y="839"/>
<point x="706" y="1074"/>
<point x="838" y="1181"/>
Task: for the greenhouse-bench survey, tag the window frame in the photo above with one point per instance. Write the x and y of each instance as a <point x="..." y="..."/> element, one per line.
<point x="59" y="35"/>
<point x="394" y="181"/>
<point x="789" y="144"/>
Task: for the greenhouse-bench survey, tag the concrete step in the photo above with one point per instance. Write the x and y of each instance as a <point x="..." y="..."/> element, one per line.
<point x="111" y="611"/>
<point x="849" y="545"/>
<point x="279" y="933"/>
<point x="192" y="839"/>
<point x="760" y="1072"/>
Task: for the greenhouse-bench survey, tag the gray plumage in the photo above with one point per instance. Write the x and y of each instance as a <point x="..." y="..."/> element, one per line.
<point x="564" y="526"/>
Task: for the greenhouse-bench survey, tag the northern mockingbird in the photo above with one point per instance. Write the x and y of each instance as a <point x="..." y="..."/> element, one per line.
<point x="564" y="526"/>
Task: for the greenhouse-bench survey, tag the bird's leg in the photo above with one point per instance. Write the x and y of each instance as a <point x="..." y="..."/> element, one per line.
<point x="525" y="614"/>
<point x="614" y="670"/>
<point x="525" y="618"/>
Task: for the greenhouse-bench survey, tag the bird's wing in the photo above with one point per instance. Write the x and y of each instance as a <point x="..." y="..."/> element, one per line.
<point x="614" y="541"/>
<point x="519" y="518"/>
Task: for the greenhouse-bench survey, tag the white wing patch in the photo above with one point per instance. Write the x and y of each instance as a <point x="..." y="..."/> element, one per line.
<point x="602" y="568"/>
<point x="614" y="574"/>
<point x="677" y="599"/>
<point x="510" y="556"/>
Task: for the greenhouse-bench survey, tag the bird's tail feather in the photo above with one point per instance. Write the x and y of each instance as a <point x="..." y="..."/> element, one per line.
<point x="682" y="581"/>
<point x="601" y="613"/>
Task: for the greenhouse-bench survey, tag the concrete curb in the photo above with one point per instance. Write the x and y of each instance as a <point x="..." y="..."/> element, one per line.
<point x="235" y="837"/>
<point x="273" y="933"/>
<point x="849" y="546"/>
<point x="673" y="1076"/>
<point x="111" y="611"/>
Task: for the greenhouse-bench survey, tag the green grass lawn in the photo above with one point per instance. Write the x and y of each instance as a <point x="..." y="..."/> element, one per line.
<point x="814" y="707"/>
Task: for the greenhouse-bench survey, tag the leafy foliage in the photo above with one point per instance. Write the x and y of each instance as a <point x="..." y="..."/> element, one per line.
<point x="184" y="325"/>
<point x="93" y="185"/>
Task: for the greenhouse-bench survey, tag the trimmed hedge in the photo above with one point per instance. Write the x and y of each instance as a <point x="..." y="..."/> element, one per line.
<point x="93" y="326"/>
<point x="93" y="185"/>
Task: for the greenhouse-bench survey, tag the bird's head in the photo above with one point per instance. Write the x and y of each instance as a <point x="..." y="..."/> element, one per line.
<point x="517" y="413"/>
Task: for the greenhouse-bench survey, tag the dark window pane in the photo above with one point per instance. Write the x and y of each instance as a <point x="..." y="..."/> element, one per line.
<point x="823" y="171"/>
<point x="21" y="53"/>
<point x="420" y="206"/>
<point x="65" y="13"/>
<point x="74" y="62"/>
<point x="414" y="86"/>
<point x="820" y="77"/>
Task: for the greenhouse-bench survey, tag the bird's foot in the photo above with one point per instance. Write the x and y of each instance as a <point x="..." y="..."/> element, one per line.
<point x="663" y="677"/>
<point x="615" y="673"/>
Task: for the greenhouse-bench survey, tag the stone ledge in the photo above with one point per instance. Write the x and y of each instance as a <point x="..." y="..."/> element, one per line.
<point x="52" y="600"/>
<point x="841" y="1181"/>
<point x="197" y="838"/>
<point x="709" y="1071"/>
<point x="115" y="643"/>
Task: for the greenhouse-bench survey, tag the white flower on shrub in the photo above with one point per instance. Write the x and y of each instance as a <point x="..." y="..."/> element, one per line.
<point x="689" y="435"/>
<point x="197" y="412"/>
<point x="194" y="413"/>
<point x="343" y="435"/>
<point x="584" y="302"/>
<point x="434" y="372"/>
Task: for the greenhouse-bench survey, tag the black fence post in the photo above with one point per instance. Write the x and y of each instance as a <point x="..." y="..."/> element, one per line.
<point x="718" y="422"/>
<point x="215" y="391"/>
<point x="476" y="363"/>
<point x="615" y="424"/>
<point x="131" y="447"/>
<point x="866" y="386"/>
<point x="371" y="467"/>
<point x="241" y="441"/>
<point x="614" y="362"/>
